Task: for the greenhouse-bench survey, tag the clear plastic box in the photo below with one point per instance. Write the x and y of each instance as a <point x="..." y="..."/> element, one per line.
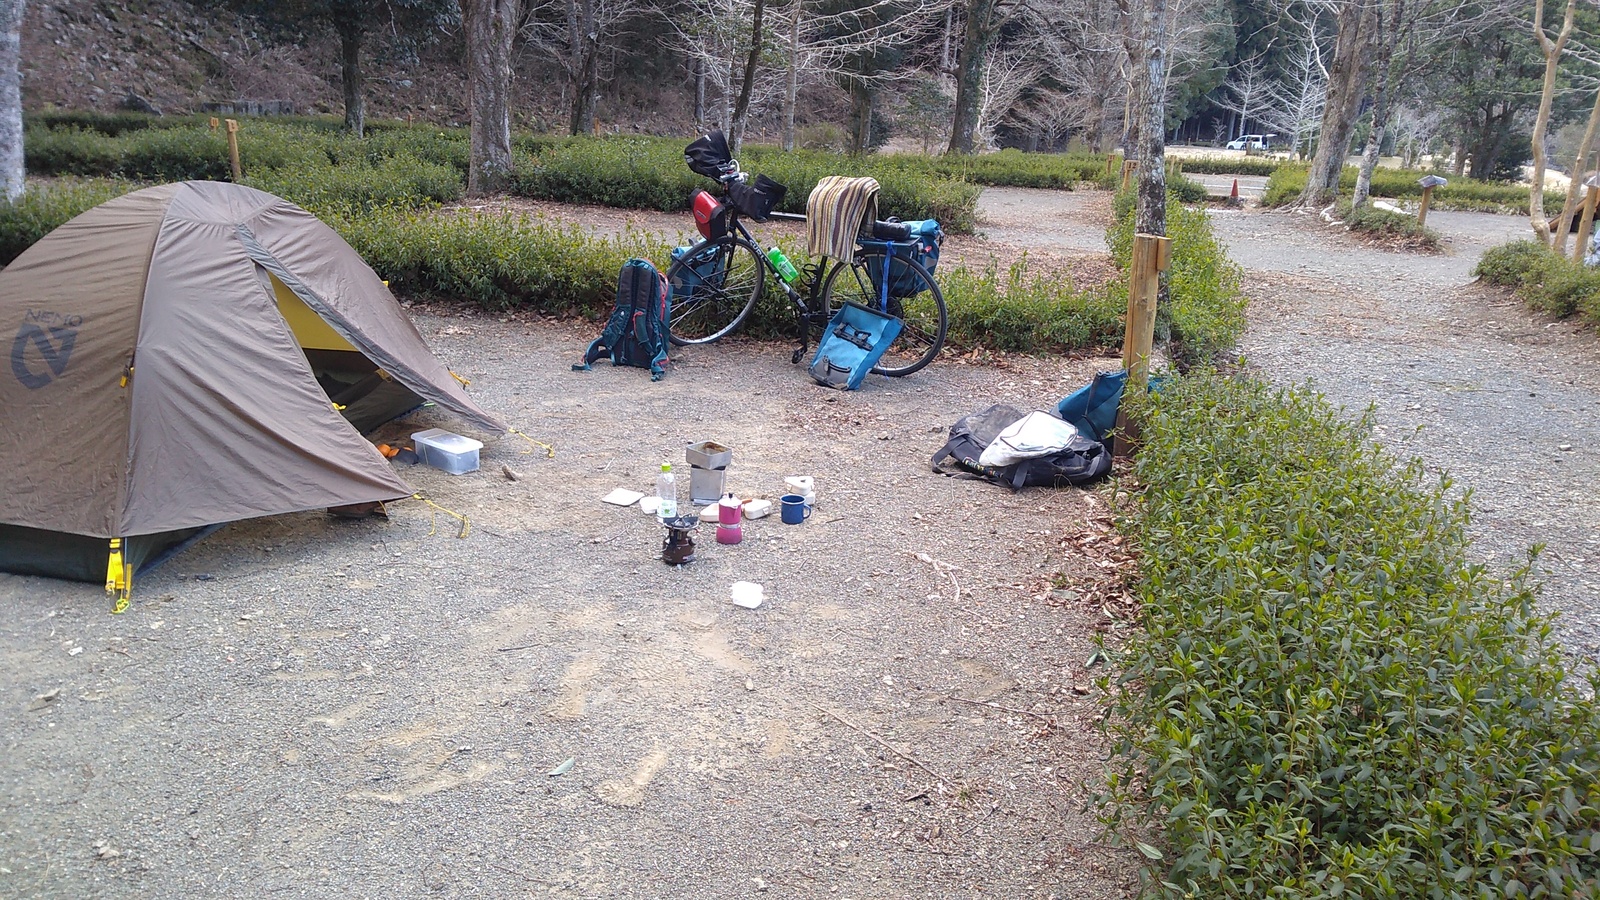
<point x="445" y="450"/>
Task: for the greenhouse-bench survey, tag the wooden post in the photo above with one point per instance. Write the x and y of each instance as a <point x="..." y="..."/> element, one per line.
<point x="214" y="123"/>
<point x="233" y="149"/>
<point x="1129" y="167"/>
<point x="1151" y="256"/>
<point x="1585" y="225"/>
<point x="1422" y="213"/>
<point x="1111" y="158"/>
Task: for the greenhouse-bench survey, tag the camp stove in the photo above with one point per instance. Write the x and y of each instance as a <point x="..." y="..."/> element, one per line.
<point x="677" y="548"/>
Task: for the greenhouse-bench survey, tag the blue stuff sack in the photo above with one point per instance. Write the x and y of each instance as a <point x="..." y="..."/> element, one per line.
<point x="851" y="345"/>
<point x="1093" y="408"/>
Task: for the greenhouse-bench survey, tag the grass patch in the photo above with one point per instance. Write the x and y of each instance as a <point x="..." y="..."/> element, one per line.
<point x="1329" y="697"/>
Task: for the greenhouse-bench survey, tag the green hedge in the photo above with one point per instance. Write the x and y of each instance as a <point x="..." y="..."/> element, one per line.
<point x="1204" y="315"/>
<point x="649" y="173"/>
<point x="1288" y="181"/>
<point x="1551" y="284"/>
<point x="1329" y="697"/>
<point x="1230" y="165"/>
<point x="494" y="260"/>
<point x="46" y="207"/>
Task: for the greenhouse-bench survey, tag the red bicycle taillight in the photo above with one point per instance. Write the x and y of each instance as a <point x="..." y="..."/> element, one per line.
<point x="710" y="216"/>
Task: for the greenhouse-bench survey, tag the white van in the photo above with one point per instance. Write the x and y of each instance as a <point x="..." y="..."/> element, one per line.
<point x="1251" y="142"/>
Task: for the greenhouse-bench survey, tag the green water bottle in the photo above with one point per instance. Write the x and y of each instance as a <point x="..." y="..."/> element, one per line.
<point x="782" y="264"/>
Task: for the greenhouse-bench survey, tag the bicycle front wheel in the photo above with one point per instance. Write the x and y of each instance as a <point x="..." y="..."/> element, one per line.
<point x="921" y="309"/>
<point x="713" y="287"/>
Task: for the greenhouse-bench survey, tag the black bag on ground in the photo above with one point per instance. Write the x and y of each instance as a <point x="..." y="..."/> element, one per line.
<point x="638" y="332"/>
<point x="1083" y="460"/>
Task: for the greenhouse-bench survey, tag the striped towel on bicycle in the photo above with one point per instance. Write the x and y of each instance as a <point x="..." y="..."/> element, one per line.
<point x="837" y="210"/>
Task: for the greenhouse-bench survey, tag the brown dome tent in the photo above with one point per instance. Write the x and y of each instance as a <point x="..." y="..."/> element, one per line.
<point x="189" y="355"/>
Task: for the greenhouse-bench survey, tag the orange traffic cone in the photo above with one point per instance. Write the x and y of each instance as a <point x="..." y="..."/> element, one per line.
<point x="1233" y="195"/>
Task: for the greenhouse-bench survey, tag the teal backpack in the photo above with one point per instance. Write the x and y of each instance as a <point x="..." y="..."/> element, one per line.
<point x="639" y="330"/>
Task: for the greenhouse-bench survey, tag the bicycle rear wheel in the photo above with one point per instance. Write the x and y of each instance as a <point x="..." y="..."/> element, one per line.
<point x="713" y="287"/>
<point x="922" y="313"/>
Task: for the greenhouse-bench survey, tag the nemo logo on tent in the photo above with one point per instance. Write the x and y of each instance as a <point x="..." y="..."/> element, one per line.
<point x="52" y="335"/>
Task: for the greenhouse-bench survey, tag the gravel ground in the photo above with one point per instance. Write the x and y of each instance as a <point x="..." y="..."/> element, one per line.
<point x="1462" y="376"/>
<point x="303" y="706"/>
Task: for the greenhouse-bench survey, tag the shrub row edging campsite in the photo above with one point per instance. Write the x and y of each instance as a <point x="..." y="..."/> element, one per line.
<point x="1236" y="459"/>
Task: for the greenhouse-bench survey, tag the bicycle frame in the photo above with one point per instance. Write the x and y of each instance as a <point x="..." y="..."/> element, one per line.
<point x="807" y="313"/>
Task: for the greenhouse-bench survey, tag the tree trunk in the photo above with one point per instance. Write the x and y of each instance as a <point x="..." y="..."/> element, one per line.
<point x="1552" y="60"/>
<point x="586" y="86"/>
<point x="11" y="166"/>
<point x="1580" y="165"/>
<point x="860" y="115"/>
<point x="350" y="29"/>
<point x="1150" y="215"/>
<point x="741" y="110"/>
<point x="491" y="25"/>
<point x="1346" y="79"/>
<point x="791" y="90"/>
<point x="699" y="93"/>
<point x="976" y="39"/>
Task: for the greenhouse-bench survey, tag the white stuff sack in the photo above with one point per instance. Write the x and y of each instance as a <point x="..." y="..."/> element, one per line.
<point x="1034" y="435"/>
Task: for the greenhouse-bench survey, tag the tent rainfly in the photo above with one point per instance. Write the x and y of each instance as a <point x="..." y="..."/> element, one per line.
<point x="189" y="355"/>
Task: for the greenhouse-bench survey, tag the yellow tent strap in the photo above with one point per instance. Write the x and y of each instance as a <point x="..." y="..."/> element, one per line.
<point x="463" y="381"/>
<point x="549" y="451"/>
<point x="119" y="578"/>
<point x="434" y="517"/>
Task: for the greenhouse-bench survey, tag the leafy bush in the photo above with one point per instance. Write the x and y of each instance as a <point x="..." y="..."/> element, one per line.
<point x="1204" y="314"/>
<point x="1390" y="226"/>
<point x="649" y="173"/>
<point x="1506" y="264"/>
<point x="1186" y="190"/>
<point x="1014" y="168"/>
<point x="1288" y="181"/>
<point x="46" y="207"/>
<point x="110" y="124"/>
<point x="493" y="260"/>
<point x="1328" y="695"/>
<point x="396" y="182"/>
<point x="1549" y="283"/>
<point x="1029" y="309"/>
<point x="1230" y="165"/>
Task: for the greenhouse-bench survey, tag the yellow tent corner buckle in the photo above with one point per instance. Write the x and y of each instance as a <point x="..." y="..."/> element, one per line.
<point x="119" y="578"/>
<point x="464" y="382"/>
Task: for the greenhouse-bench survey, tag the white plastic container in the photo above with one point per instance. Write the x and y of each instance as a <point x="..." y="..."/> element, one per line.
<point x="445" y="450"/>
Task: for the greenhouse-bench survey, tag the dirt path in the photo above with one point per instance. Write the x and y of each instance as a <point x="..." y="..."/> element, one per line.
<point x="300" y="705"/>
<point x="1460" y="375"/>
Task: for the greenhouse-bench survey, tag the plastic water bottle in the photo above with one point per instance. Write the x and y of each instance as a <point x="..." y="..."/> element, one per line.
<point x="667" y="493"/>
<point x="783" y="265"/>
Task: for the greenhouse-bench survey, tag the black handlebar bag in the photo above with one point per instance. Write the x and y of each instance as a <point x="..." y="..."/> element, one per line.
<point x="758" y="198"/>
<point x="708" y="155"/>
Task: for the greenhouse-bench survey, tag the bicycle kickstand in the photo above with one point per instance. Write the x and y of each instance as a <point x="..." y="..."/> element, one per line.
<point x="802" y="317"/>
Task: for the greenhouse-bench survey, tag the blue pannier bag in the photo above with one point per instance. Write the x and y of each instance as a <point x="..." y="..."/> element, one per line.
<point x="707" y="268"/>
<point x="637" y="334"/>
<point x="851" y="345"/>
<point x="922" y="243"/>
